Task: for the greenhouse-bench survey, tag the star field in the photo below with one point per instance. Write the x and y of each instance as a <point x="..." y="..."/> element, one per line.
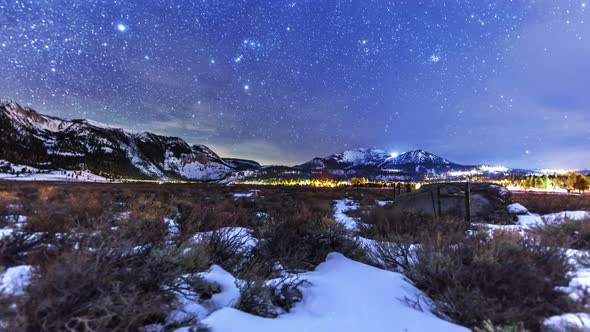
<point x="285" y="81"/>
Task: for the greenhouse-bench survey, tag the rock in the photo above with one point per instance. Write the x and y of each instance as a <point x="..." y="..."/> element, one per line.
<point x="489" y="202"/>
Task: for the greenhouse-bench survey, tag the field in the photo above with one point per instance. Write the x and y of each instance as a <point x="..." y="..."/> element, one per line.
<point x="552" y="203"/>
<point x="165" y="257"/>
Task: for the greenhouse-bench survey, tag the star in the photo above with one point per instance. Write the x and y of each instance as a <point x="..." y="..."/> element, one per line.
<point x="457" y="64"/>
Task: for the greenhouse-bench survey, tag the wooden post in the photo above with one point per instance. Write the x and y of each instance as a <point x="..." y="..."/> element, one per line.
<point x="438" y="201"/>
<point x="433" y="206"/>
<point x="468" y="202"/>
<point x="399" y="188"/>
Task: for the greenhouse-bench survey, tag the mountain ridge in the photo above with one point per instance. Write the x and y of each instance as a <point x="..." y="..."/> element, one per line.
<point x="40" y="140"/>
<point x="31" y="138"/>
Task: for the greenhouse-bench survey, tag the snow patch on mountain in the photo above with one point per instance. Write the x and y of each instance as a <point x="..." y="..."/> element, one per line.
<point x="104" y="148"/>
<point x="361" y="156"/>
<point x="417" y="157"/>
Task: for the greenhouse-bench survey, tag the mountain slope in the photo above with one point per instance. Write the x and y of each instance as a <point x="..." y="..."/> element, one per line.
<point x="48" y="142"/>
<point x="347" y="159"/>
<point x="416" y="157"/>
<point x="378" y="164"/>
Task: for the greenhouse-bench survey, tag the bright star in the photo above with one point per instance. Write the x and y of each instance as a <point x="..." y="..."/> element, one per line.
<point x="434" y="58"/>
<point x="121" y="27"/>
<point x="246" y="87"/>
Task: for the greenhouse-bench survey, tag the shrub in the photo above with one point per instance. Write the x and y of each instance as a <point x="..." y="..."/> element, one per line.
<point x="303" y="244"/>
<point x="269" y="298"/>
<point x="506" y="280"/>
<point x="394" y="253"/>
<point x="490" y="327"/>
<point x="392" y="224"/>
<point x="573" y="234"/>
<point x="108" y="284"/>
<point x="195" y="217"/>
<point x="17" y="247"/>
<point x="226" y="248"/>
<point x="552" y="203"/>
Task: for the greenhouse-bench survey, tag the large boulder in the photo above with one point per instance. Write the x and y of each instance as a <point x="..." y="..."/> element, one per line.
<point x="489" y="202"/>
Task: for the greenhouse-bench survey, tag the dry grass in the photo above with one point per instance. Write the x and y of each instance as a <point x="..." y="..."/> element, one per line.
<point x="574" y="234"/>
<point x="506" y="280"/>
<point x="105" y="259"/>
<point x="551" y="203"/>
<point x="391" y="223"/>
<point x="73" y="226"/>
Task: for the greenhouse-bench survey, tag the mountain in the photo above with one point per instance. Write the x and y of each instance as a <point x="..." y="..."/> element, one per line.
<point x="51" y="143"/>
<point x="381" y="165"/>
<point x="420" y="162"/>
<point x="242" y="164"/>
<point x="43" y="141"/>
<point x="347" y="159"/>
<point x="416" y="157"/>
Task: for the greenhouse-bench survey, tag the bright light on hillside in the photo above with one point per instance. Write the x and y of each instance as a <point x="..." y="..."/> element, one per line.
<point x="394" y="154"/>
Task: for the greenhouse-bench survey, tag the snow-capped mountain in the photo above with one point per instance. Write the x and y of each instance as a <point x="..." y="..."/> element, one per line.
<point x="242" y="164"/>
<point x="51" y="143"/>
<point x="379" y="164"/>
<point x="348" y="159"/>
<point x="42" y="141"/>
<point x="416" y="157"/>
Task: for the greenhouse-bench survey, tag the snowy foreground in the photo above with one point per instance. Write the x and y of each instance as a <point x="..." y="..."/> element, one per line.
<point x="580" y="283"/>
<point x="339" y="295"/>
<point x="342" y="295"/>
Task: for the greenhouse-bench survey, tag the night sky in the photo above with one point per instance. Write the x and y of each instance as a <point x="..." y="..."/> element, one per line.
<point x="502" y="82"/>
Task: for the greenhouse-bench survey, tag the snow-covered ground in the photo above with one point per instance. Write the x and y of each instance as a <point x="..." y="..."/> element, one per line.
<point x="565" y="215"/>
<point x="578" y="288"/>
<point x="251" y="193"/>
<point x="55" y="176"/>
<point x="341" y="295"/>
<point x="383" y="203"/>
<point x="527" y="220"/>
<point x="27" y="173"/>
<point x="569" y="322"/>
<point x="15" y="279"/>
<point x="341" y="206"/>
